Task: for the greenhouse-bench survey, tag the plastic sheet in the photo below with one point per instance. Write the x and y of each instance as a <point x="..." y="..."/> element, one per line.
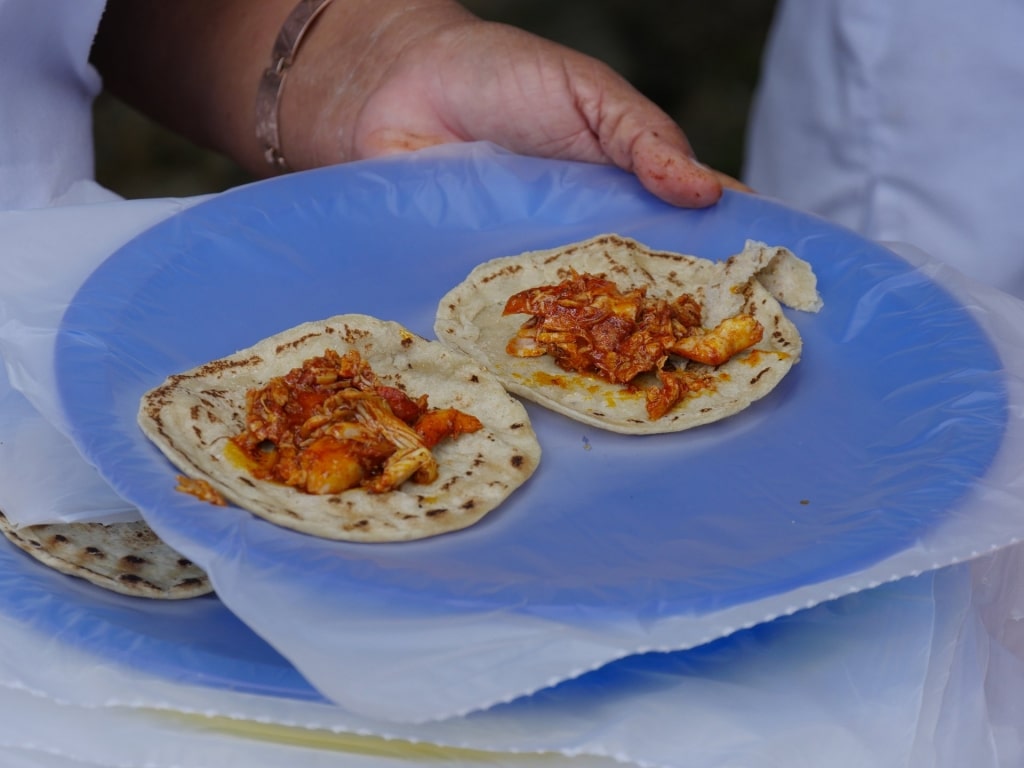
<point x="42" y="476"/>
<point x="47" y="255"/>
<point x="892" y="678"/>
<point x="914" y="467"/>
<point x="41" y="733"/>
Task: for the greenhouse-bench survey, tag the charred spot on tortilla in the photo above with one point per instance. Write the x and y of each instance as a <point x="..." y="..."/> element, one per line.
<point x="390" y="370"/>
<point x="584" y="305"/>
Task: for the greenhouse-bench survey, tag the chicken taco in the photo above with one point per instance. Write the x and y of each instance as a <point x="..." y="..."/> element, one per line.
<point x="352" y="428"/>
<point x="619" y="336"/>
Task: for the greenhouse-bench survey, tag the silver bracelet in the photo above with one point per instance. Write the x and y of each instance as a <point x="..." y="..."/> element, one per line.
<point x="268" y="95"/>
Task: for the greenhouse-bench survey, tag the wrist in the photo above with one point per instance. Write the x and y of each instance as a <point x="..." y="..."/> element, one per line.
<point x="344" y="53"/>
<point x="271" y="86"/>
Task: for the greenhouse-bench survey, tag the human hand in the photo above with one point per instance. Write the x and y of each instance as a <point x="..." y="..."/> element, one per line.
<point x="452" y="77"/>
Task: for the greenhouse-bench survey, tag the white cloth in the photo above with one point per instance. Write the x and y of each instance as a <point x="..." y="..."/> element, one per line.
<point x="46" y="90"/>
<point x="900" y="119"/>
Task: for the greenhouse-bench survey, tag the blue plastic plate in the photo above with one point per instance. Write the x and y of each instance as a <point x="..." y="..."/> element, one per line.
<point x="191" y="642"/>
<point x="896" y="409"/>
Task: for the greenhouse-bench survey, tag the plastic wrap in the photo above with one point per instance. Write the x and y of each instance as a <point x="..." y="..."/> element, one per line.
<point x="893" y="678"/>
<point x="47" y="255"/>
<point x="41" y="733"/>
<point x="42" y="476"/>
<point x="890" y="450"/>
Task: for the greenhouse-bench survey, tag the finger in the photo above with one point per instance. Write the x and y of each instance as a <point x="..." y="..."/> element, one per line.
<point x="668" y="170"/>
<point x="640" y="137"/>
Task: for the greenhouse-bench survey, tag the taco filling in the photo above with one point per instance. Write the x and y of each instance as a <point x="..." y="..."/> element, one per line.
<point x="589" y="325"/>
<point x="331" y="424"/>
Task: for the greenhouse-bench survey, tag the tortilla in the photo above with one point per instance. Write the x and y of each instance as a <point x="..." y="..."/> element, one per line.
<point x="125" y="557"/>
<point x="192" y="415"/>
<point x="470" y="318"/>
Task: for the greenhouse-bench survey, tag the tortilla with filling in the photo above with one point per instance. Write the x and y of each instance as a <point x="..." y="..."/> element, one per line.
<point x="123" y="557"/>
<point x="192" y="415"/>
<point x="470" y="318"/>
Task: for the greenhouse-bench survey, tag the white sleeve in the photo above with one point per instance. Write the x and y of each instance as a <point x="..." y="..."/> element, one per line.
<point x="901" y="119"/>
<point x="46" y="90"/>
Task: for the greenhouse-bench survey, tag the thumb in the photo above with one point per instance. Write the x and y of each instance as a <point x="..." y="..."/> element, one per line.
<point x="666" y="167"/>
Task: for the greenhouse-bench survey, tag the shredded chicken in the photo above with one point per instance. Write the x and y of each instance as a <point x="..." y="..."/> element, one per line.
<point x="588" y="325"/>
<point x="331" y="425"/>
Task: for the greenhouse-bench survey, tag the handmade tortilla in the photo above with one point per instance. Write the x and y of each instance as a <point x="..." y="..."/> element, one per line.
<point x="191" y="416"/>
<point x="125" y="557"/>
<point x="469" y="318"/>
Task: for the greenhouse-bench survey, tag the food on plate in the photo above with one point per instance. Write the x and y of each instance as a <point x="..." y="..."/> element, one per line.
<point x="124" y="557"/>
<point x="201" y="489"/>
<point x="331" y="424"/>
<point x="589" y="325"/>
<point x="352" y="428"/>
<point x="617" y="335"/>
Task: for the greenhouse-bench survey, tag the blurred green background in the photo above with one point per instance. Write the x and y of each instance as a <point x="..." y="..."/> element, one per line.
<point x="698" y="60"/>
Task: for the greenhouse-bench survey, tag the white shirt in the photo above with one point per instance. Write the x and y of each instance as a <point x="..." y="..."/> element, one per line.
<point x="903" y="120"/>
<point x="46" y="91"/>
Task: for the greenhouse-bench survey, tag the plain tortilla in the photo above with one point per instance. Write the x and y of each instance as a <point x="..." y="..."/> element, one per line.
<point x="191" y="416"/>
<point x="469" y="318"/>
<point x="124" y="557"/>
